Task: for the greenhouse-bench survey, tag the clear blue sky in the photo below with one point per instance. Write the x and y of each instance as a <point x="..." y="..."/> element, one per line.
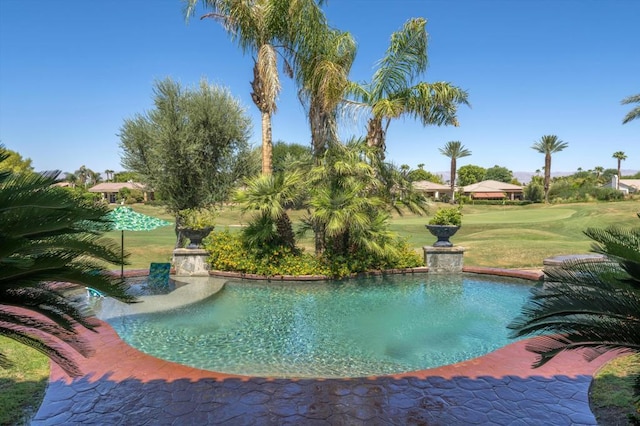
<point x="71" y="71"/>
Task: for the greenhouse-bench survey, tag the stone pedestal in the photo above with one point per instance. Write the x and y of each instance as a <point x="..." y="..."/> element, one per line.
<point x="191" y="262"/>
<point x="443" y="260"/>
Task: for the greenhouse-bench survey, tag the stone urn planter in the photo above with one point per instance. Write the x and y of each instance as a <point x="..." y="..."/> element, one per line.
<point x="195" y="236"/>
<point x="442" y="233"/>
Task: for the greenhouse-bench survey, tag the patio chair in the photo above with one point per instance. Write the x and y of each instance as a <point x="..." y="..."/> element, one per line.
<point x="159" y="274"/>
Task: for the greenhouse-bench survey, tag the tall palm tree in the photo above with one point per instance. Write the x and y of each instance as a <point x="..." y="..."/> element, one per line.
<point x="635" y="112"/>
<point x="48" y="236"/>
<point x="394" y="93"/>
<point x="585" y="303"/>
<point x="620" y="156"/>
<point x="547" y="145"/>
<point x="323" y="63"/>
<point x="256" y="27"/>
<point x="83" y="174"/>
<point x="454" y="150"/>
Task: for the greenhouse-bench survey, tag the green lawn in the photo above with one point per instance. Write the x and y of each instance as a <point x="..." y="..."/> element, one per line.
<point x="494" y="236"/>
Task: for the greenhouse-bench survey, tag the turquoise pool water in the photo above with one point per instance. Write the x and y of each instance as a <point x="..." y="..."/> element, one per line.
<point x="352" y="328"/>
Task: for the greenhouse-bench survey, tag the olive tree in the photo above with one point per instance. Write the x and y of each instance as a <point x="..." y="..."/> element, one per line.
<point x="192" y="147"/>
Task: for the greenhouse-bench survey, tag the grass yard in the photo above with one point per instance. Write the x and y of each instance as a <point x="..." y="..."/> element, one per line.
<point x="22" y="387"/>
<point x="494" y="236"/>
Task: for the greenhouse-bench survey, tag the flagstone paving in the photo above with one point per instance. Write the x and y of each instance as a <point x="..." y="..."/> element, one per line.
<point x="123" y="386"/>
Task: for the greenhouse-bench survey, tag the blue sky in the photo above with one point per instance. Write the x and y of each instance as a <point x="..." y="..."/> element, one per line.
<point x="71" y="71"/>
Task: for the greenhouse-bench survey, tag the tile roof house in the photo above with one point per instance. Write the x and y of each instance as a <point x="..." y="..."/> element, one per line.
<point x="431" y="189"/>
<point x="493" y="190"/>
<point x="110" y="190"/>
<point x="627" y="186"/>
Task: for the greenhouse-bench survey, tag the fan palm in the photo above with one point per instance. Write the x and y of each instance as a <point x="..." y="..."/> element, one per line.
<point x="271" y="196"/>
<point x="635" y="112"/>
<point x="346" y="204"/>
<point x="393" y="92"/>
<point x="547" y="145"/>
<point x="586" y="304"/>
<point x="48" y="237"/>
<point x="454" y="150"/>
<point x="620" y="156"/>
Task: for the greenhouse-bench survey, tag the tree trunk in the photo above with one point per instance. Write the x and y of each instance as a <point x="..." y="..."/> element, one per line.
<point x="267" y="144"/>
<point x="547" y="177"/>
<point x="376" y="136"/>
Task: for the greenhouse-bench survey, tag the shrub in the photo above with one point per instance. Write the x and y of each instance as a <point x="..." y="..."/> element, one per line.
<point x="197" y="218"/>
<point x="447" y="216"/>
<point x="228" y="252"/>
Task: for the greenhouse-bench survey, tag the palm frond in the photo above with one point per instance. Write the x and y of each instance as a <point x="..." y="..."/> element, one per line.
<point x="48" y="236"/>
<point x="591" y="304"/>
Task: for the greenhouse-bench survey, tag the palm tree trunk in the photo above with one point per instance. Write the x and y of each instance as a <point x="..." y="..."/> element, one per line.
<point x="375" y="136"/>
<point x="547" y="177"/>
<point x="452" y="177"/>
<point x="267" y="144"/>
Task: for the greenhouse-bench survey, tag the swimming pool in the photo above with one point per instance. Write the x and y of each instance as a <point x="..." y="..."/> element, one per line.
<point x="353" y="328"/>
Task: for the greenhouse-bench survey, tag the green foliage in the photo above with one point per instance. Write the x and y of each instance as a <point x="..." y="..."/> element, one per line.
<point x="498" y="173"/>
<point x="420" y="174"/>
<point x="197" y="218"/>
<point x="358" y="261"/>
<point x="585" y="304"/>
<point x="15" y="163"/>
<point x="48" y="236"/>
<point x="470" y="174"/>
<point x="131" y="196"/>
<point x="191" y="148"/>
<point x="228" y="252"/>
<point x="127" y="177"/>
<point x="284" y="155"/>
<point x="447" y="216"/>
<point x="534" y="191"/>
<point x="568" y="189"/>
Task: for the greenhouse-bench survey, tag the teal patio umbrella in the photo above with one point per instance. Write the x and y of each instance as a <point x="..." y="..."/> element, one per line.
<point x="123" y="218"/>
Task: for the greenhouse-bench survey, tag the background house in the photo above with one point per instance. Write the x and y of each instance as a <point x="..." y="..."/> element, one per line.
<point x="432" y="189"/>
<point x="109" y="190"/>
<point x="627" y="186"/>
<point x="493" y="190"/>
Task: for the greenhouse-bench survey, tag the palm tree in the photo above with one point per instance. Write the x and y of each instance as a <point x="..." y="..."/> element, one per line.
<point x="598" y="170"/>
<point x="620" y="156"/>
<point x="323" y="63"/>
<point x="454" y="150"/>
<point x="345" y="204"/>
<point x="109" y="174"/>
<point x="83" y="175"/>
<point x="547" y="145"/>
<point x="393" y="92"/>
<point x="585" y="303"/>
<point x="635" y="112"/>
<point x="271" y="196"/>
<point x="256" y="26"/>
<point x="47" y="236"/>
